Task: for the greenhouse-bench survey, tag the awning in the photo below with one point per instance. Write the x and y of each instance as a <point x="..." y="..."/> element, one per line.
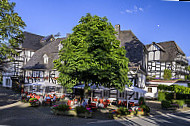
<point x="136" y="89"/>
<point x="44" y="84"/>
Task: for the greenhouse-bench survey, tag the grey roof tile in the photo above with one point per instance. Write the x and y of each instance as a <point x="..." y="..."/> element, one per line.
<point x="51" y="50"/>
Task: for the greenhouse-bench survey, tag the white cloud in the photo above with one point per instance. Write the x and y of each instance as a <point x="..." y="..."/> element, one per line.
<point x="188" y="58"/>
<point x="141" y="9"/>
<point x="134" y="10"/>
<point x="129" y="11"/>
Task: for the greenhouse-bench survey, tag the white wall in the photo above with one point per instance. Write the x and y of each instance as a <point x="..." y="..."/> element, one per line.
<point x="153" y="94"/>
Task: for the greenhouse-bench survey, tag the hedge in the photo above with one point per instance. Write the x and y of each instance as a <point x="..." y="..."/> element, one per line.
<point x="174" y="88"/>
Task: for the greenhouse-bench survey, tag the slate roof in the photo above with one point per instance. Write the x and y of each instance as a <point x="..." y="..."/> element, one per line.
<point x="37" y="60"/>
<point x="32" y="41"/>
<point x="171" y="50"/>
<point x="134" y="48"/>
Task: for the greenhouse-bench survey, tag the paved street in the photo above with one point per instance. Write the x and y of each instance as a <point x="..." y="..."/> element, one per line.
<point x="15" y="113"/>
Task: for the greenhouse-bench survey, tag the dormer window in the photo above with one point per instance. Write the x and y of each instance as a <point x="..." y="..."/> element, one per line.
<point x="60" y="46"/>
<point x="45" y="59"/>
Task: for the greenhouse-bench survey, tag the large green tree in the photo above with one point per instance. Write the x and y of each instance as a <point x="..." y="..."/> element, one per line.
<point x="11" y="26"/>
<point x="92" y="55"/>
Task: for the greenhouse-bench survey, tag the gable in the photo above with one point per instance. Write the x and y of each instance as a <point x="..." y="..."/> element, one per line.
<point x="153" y="47"/>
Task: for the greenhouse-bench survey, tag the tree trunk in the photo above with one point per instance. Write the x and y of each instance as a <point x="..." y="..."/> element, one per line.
<point x="86" y="91"/>
<point x="174" y="95"/>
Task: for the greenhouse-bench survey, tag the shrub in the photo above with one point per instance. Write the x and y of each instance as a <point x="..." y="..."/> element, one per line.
<point x="179" y="102"/>
<point x="123" y="111"/>
<point x="161" y="96"/>
<point x="24" y="98"/>
<point x="167" y="74"/>
<point x="34" y="101"/>
<point x="61" y="107"/>
<point x="165" y="104"/>
<point x="187" y="101"/>
<point x="80" y="109"/>
<point x="146" y="109"/>
<point x="169" y="96"/>
<point x="141" y="101"/>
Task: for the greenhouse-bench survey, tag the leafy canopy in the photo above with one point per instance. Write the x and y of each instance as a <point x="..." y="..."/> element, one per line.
<point x="11" y="26"/>
<point x="92" y="55"/>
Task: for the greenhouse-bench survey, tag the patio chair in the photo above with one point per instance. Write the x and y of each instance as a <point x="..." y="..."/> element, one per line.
<point x="105" y="104"/>
<point x="125" y="103"/>
<point x="108" y="102"/>
<point x="62" y="96"/>
<point x="132" y="104"/>
<point x="69" y="103"/>
<point x="48" y="102"/>
<point x="95" y="99"/>
<point x="119" y="103"/>
<point x="101" y="100"/>
<point x="93" y="106"/>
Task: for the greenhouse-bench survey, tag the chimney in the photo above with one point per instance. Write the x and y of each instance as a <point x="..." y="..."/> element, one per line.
<point x="117" y="29"/>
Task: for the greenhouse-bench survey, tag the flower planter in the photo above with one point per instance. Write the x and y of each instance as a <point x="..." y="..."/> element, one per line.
<point x="34" y="104"/>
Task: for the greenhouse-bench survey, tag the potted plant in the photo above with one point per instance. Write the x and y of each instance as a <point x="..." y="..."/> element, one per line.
<point x="62" y="109"/>
<point x="34" y="102"/>
<point x="83" y="112"/>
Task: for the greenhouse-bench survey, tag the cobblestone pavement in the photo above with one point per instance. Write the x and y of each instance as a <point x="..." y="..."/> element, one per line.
<point x="7" y="96"/>
<point x="16" y="113"/>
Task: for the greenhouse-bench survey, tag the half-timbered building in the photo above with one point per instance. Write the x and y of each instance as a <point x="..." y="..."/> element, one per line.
<point x="40" y="68"/>
<point x="161" y="56"/>
<point x="166" y="55"/>
<point x="137" y="54"/>
<point x="12" y="72"/>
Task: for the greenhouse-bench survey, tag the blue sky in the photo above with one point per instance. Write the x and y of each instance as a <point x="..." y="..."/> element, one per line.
<point x="150" y="20"/>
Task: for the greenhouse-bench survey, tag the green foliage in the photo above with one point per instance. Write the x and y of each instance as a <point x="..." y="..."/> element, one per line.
<point x="175" y="88"/>
<point x="123" y="111"/>
<point x="187" y="101"/>
<point x="32" y="99"/>
<point x="179" y="102"/>
<point x="141" y="101"/>
<point x="62" y="107"/>
<point x="92" y="54"/>
<point x="167" y="74"/>
<point x="34" y="102"/>
<point x="161" y="96"/>
<point x="188" y="85"/>
<point x="80" y="109"/>
<point x="165" y="104"/>
<point x="165" y="96"/>
<point x="11" y="26"/>
<point x="187" y="77"/>
<point x="146" y="109"/>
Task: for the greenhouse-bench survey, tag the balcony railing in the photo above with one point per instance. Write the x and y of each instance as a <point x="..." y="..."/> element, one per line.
<point x="181" y="59"/>
<point x="183" y="71"/>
